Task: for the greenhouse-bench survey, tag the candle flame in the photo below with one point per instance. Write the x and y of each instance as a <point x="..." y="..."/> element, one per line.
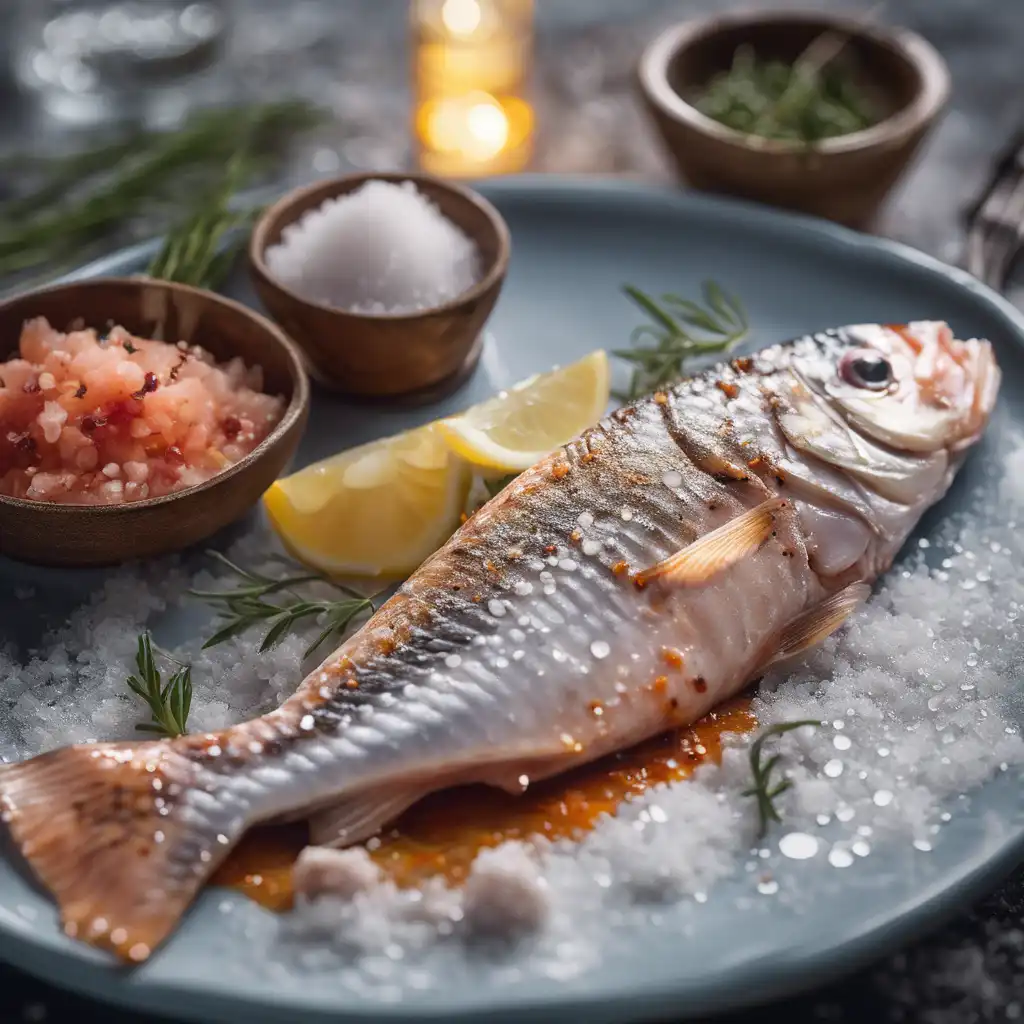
<point x="461" y="17"/>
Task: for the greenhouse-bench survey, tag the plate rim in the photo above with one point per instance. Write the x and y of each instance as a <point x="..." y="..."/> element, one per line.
<point x="88" y="972"/>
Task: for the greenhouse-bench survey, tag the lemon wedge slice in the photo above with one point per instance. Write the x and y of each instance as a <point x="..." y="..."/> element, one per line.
<point x="376" y="510"/>
<point x="517" y="428"/>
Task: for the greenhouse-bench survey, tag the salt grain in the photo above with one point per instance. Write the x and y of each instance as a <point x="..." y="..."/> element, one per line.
<point x="382" y="249"/>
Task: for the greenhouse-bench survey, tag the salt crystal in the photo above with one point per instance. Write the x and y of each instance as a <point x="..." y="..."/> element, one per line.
<point x="383" y="249"/>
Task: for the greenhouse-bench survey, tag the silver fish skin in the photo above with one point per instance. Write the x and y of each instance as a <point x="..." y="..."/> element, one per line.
<point x="627" y="584"/>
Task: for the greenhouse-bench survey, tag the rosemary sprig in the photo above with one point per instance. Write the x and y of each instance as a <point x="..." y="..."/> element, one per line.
<point x="170" y="702"/>
<point x="679" y="328"/>
<point x="194" y="251"/>
<point x="85" y="199"/>
<point x="763" y="790"/>
<point x="248" y="606"/>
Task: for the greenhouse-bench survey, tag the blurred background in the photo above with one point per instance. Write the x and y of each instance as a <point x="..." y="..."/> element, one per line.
<point x="471" y="88"/>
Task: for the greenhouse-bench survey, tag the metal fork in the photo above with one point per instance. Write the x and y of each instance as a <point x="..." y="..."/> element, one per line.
<point x="995" y="234"/>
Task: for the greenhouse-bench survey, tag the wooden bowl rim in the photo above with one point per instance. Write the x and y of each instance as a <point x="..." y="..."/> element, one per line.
<point x="932" y="73"/>
<point x="281" y="214"/>
<point x="293" y="412"/>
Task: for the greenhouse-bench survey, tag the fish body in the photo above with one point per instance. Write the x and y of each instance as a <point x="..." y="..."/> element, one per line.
<point x="625" y="585"/>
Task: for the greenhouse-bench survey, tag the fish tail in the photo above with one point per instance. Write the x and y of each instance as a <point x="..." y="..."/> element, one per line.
<point x="115" y="831"/>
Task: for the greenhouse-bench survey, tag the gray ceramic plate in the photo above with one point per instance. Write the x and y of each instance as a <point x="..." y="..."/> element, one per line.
<point x="575" y="243"/>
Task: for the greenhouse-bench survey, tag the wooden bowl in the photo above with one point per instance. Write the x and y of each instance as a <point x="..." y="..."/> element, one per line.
<point x="408" y="354"/>
<point x="845" y="178"/>
<point x="90" y="535"/>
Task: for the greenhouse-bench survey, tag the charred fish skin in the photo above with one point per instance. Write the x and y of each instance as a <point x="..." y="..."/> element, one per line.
<point x="627" y="583"/>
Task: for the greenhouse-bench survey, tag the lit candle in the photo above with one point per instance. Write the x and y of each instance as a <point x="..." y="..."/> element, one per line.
<point x="471" y="71"/>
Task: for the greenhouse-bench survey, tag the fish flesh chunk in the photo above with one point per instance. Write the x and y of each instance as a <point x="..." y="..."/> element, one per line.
<point x="625" y="585"/>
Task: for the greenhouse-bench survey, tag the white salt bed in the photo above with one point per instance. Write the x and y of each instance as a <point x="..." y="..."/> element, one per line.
<point x="920" y="723"/>
<point x="383" y="249"/>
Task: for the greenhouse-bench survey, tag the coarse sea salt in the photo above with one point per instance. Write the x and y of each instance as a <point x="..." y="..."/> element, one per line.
<point x="382" y="249"/>
<point x="917" y="738"/>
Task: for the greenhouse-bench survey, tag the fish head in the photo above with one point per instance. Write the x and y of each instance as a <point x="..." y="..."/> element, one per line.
<point x="886" y="415"/>
<point x="913" y="388"/>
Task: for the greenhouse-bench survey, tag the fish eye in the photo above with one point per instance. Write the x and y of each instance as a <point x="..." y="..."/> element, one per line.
<point x="866" y="368"/>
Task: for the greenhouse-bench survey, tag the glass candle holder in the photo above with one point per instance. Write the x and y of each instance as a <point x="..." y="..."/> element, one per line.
<point x="471" y="73"/>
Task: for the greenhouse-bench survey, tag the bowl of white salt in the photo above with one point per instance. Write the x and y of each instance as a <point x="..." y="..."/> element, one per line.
<point x="385" y="281"/>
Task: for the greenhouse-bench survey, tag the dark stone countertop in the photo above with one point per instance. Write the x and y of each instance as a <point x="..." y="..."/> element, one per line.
<point x="350" y="55"/>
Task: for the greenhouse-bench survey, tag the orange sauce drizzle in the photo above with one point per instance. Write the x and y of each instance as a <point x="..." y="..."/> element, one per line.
<point x="443" y="833"/>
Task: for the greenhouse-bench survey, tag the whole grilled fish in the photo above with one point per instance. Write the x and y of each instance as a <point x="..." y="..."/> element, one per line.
<point x="626" y="584"/>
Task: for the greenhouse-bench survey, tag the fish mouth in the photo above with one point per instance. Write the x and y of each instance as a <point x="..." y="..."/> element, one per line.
<point x="979" y="361"/>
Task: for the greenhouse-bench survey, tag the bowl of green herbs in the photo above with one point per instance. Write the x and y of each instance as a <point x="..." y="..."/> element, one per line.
<point x="803" y="110"/>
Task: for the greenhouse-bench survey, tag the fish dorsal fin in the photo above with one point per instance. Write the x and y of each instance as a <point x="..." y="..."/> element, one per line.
<point x="705" y="558"/>
<point x="813" y="626"/>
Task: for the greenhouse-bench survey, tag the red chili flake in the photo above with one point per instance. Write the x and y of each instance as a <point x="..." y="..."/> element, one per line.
<point x="352" y="683"/>
<point x="661" y="684"/>
<point x="755" y="462"/>
<point x="743" y="364"/>
<point x="560" y="471"/>
<point x="620" y="567"/>
<point x="150" y="384"/>
<point x="174" y="455"/>
<point x="589" y="457"/>
<point x="550" y="549"/>
<point x="575" y="535"/>
<point x="727" y="389"/>
<point x="699" y="684"/>
<point x="660" y="398"/>
<point x="232" y="425"/>
<point x="30" y="387"/>
<point x="80" y="392"/>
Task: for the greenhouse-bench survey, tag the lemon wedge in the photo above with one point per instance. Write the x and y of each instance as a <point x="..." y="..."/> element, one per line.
<point x="376" y="510"/>
<point x="517" y="428"/>
<point x="382" y="508"/>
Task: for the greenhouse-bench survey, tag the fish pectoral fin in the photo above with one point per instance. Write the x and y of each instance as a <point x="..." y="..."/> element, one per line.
<point x="705" y="558"/>
<point x="360" y="816"/>
<point x="815" y="625"/>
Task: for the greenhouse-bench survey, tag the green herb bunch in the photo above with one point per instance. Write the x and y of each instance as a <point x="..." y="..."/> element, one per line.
<point x="787" y="102"/>
<point x="144" y="180"/>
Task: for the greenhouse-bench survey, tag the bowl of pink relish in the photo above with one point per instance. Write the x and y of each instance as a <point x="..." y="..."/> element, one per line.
<point x="137" y="417"/>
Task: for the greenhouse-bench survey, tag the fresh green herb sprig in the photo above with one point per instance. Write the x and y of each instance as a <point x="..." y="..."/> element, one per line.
<point x="170" y="702"/>
<point x="679" y="329"/>
<point x="249" y="605"/>
<point x="801" y="102"/>
<point x="82" y="201"/>
<point x="762" y="789"/>
<point x="195" y="252"/>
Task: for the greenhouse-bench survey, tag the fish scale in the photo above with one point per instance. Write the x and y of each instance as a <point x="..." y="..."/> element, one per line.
<point x="626" y="584"/>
